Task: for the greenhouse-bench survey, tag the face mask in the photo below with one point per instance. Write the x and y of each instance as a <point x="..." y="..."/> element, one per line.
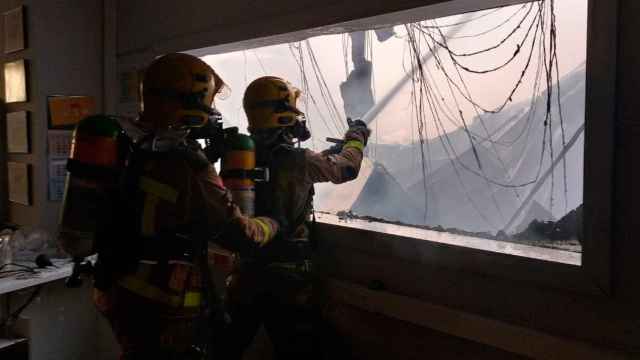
<point x="300" y="131"/>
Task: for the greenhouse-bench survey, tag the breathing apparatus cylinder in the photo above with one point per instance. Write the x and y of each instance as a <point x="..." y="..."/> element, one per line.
<point x="98" y="152"/>
<point x="238" y="163"/>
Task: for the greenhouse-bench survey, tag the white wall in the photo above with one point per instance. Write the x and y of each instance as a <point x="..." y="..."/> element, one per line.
<point x="67" y="39"/>
<point x="65" y="54"/>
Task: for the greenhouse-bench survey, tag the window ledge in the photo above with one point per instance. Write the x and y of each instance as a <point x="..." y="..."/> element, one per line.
<point x="503" y="247"/>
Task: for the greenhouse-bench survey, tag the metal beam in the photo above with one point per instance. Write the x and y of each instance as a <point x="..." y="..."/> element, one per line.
<point x="544" y="177"/>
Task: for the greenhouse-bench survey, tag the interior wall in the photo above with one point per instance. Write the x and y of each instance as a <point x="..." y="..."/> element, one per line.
<point x="65" y="57"/>
<point x="16" y="212"/>
<point x="165" y="26"/>
<point x="65" y="42"/>
<point x="68" y="63"/>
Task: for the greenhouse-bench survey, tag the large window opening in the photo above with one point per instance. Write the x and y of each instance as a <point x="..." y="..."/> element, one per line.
<point x="477" y="123"/>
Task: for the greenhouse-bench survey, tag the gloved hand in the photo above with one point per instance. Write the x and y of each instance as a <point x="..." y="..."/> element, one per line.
<point x="334" y="149"/>
<point x="358" y="130"/>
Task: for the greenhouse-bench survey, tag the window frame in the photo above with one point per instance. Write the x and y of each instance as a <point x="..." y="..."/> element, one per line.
<point x="594" y="275"/>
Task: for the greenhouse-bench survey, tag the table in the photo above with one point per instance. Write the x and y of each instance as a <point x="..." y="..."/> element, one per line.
<point x="15" y="283"/>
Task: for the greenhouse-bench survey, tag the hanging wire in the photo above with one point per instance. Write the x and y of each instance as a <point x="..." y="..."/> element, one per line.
<point x="443" y="43"/>
<point x="424" y="94"/>
<point x="450" y="81"/>
<point x="369" y="56"/>
<point x="296" y="53"/>
<point x="542" y="35"/>
<point x="497" y="27"/>
<point x="471" y="142"/>
<point x="486" y="130"/>
<point x="325" y="91"/>
<point x="466" y="22"/>
<point x="264" y="69"/>
<point x="345" y="54"/>
<point x="540" y="40"/>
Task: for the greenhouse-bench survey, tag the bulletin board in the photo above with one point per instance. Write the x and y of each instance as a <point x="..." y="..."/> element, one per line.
<point x="18" y="132"/>
<point x="19" y="175"/>
<point x="66" y="111"/>
<point x="15" y="81"/>
<point x="14" y="30"/>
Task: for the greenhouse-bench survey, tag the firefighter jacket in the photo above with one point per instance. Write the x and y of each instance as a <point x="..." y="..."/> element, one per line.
<point x="175" y="202"/>
<point x="288" y="195"/>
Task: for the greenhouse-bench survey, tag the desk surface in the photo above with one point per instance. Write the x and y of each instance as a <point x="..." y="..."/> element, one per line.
<point x="5" y="343"/>
<point x="43" y="276"/>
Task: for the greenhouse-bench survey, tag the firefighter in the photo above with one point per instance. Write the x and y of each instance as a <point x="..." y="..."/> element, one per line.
<point x="275" y="288"/>
<point x="151" y="281"/>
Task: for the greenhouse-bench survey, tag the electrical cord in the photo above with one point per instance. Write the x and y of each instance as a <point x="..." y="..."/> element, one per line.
<point x="468" y="21"/>
<point x="468" y="36"/>
<point x="23" y="267"/>
<point x="443" y="44"/>
<point x="21" y="270"/>
<point x="19" y="311"/>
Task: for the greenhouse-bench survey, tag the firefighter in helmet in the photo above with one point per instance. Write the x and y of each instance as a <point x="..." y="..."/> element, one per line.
<point x="275" y="287"/>
<point x="151" y="278"/>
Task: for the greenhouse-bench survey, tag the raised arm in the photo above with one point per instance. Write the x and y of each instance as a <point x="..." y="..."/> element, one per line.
<point x="341" y="163"/>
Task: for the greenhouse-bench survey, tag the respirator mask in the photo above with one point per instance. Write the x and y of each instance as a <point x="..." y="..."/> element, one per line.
<point x="299" y="131"/>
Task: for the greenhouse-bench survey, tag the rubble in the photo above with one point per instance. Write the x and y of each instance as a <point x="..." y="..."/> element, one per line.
<point x="537" y="233"/>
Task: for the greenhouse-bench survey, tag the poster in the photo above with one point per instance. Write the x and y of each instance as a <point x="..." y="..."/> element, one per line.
<point x="59" y="149"/>
<point x="66" y="111"/>
<point x="14" y="30"/>
<point x="18" y="133"/>
<point x="15" y="81"/>
<point x="59" y="143"/>
<point x="57" y="178"/>
<point x="19" y="183"/>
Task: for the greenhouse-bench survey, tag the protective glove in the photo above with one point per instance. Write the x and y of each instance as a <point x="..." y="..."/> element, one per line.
<point x="358" y="130"/>
<point x="334" y="149"/>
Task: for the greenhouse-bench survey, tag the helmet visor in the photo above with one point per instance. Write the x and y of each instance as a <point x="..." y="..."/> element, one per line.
<point x="221" y="91"/>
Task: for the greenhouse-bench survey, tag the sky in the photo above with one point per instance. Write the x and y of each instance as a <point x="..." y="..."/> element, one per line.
<point x="390" y="62"/>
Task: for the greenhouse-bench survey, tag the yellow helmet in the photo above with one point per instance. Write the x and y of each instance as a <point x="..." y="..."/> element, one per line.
<point x="178" y="91"/>
<point x="270" y="102"/>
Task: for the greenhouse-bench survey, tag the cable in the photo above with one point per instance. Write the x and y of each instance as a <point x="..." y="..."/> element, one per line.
<point x="332" y="116"/>
<point x="345" y="54"/>
<point x="23" y="267"/>
<point x="299" y="61"/>
<point x="424" y="90"/>
<point x="445" y="46"/>
<point x="468" y="36"/>
<point x="519" y="82"/>
<point x="492" y="143"/>
<point x="539" y="31"/>
<point x="369" y="52"/>
<point x="468" y="21"/>
<point x="441" y="68"/>
<point x="324" y="88"/>
<point x="489" y="70"/>
<point x="264" y="70"/>
<point x="17" y="313"/>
